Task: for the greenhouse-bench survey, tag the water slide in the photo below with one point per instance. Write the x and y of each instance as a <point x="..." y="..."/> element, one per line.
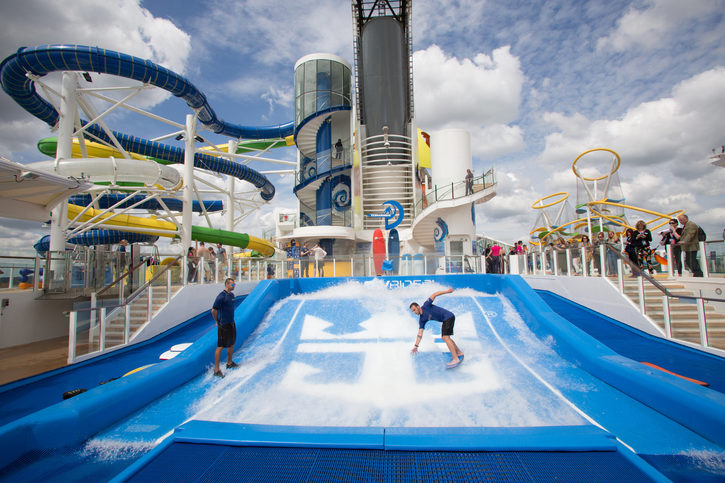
<point x="148" y="226"/>
<point x="121" y="172"/>
<point x="49" y="145"/>
<point x="123" y="201"/>
<point x="326" y="363"/>
<point x="42" y="60"/>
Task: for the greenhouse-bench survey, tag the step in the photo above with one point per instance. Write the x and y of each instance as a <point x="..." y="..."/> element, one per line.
<point x="691" y="323"/>
<point x="653" y="291"/>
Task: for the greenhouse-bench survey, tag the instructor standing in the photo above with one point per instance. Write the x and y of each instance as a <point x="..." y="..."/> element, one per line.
<point x="427" y="312"/>
<point x="223" y="313"/>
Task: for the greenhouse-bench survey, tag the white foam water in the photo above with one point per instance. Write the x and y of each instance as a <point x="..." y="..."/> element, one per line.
<point x="341" y="357"/>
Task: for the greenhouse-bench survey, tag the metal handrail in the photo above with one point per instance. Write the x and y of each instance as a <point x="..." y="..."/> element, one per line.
<point x="143" y="287"/>
<point x="448" y="191"/>
<point x="665" y="291"/>
<point x="136" y="292"/>
<point x="119" y="279"/>
<point x="125" y="306"/>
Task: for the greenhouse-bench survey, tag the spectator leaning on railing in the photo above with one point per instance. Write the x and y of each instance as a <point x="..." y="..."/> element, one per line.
<point x="690" y="242"/>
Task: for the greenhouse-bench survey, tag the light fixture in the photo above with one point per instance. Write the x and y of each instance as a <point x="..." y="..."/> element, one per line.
<point x="87" y="77"/>
<point x="179" y="137"/>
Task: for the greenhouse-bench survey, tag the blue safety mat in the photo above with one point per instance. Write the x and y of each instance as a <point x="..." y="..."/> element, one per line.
<point x="209" y="462"/>
<point x="26" y="396"/>
<point x="639" y="346"/>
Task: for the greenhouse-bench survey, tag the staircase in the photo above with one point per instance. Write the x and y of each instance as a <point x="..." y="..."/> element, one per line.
<point x="683" y="312"/>
<point x="139" y="316"/>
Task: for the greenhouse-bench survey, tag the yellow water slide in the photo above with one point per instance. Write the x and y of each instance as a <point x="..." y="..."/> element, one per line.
<point x="138" y="224"/>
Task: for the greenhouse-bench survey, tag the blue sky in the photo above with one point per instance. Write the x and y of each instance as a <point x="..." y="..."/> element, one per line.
<point x="536" y="83"/>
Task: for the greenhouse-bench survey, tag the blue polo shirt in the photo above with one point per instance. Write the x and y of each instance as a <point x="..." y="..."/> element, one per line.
<point x="432" y="312"/>
<point x="224" y="304"/>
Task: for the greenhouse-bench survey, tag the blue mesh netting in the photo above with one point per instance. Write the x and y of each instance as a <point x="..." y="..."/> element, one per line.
<point x="206" y="462"/>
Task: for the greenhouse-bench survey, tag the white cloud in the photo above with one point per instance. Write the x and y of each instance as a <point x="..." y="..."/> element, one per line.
<point x="649" y="27"/>
<point x="490" y="142"/>
<point x="121" y="25"/>
<point x="481" y="95"/>
<point x="663" y="145"/>
<point x="278" y="32"/>
<point x="432" y="21"/>
<point x="679" y="130"/>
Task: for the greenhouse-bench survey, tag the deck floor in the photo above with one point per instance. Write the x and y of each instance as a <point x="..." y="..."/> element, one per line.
<point x="31" y="359"/>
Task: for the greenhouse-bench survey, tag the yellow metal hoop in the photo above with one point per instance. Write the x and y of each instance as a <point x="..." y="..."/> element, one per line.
<point x="614" y="170"/>
<point x="561" y="193"/>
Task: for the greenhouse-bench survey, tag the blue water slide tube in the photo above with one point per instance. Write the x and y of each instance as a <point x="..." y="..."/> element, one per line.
<point x="173" y="154"/>
<point x="50" y="58"/>
<point x="106" y="201"/>
<point x="98" y="237"/>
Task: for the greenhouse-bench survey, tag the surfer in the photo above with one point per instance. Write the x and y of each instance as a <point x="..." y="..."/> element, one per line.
<point x="427" y="312"/>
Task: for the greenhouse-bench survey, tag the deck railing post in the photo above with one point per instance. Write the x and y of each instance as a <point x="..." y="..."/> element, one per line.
<point x="126" y="323"/>
<point x="602" y="260"/>
<point x="72" y="323"/>
<point x="702" y="321"/>
<point x="620" y="275"/>
<point x="568" y="261"/>
<point x="640" y="293"/>
<point x="92" y="315"/>
<point x="184" y="270"/>
<point x="36" y="276"/>
<point x="670" y="261"/>
<point x="666" y="315"/>
<point x="149" y="305"/>
<point x="102" y="336"/>
<point x="120" y="290"/>
<point x="703" y="260"/>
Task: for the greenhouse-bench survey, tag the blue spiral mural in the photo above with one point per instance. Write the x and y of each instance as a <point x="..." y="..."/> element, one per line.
<point x="341" y="192"/>
<point x="441" y="232"/>
<point x="309" y="168"/>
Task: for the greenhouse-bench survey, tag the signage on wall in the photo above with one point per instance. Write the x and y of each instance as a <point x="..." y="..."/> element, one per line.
<point x="393" y="214"/>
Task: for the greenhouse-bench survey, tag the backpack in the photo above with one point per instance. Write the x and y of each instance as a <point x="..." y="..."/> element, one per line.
<point x="701" y="236"/>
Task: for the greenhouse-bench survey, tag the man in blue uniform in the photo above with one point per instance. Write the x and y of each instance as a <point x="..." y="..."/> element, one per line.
<point x="223" y="313"/>
<point x="427" y="312"/>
